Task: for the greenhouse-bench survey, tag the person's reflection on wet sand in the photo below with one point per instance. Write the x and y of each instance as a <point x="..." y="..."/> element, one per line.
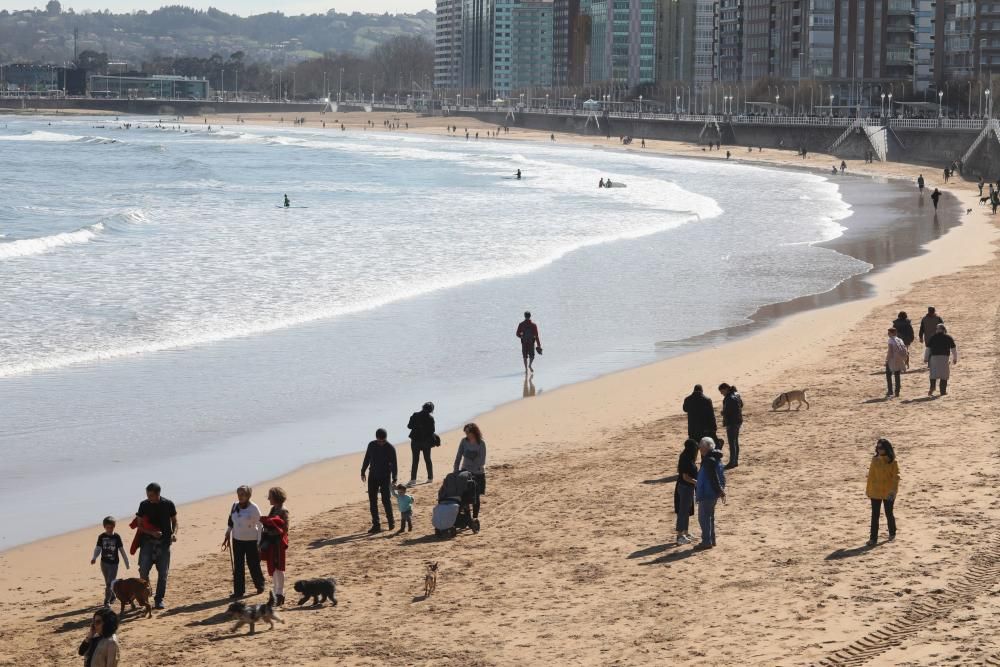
<point x="529" y="386"/>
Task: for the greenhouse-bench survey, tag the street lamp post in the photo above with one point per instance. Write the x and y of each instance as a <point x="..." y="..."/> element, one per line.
<point x="831" y="105"/>
<point x="940" y="102"/>
<point x="777" y="102"/>
<point x="340" y="85"/>
<point x="882" y="106"/>
<point x="677" y="104"/>
<point x="890" y="105"/>
<point x="989" y="109"/>
<point x="640" y="106"/>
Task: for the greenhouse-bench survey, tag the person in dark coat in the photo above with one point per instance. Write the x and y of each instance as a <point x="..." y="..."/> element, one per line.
<point x="732" y="420"/>
<point x="381" y="458"/>
<point x="701" y="414"/>
<point x="904" y="328"/>
<point x="928" y="325"/>
<point x="422" y="439"/>
<point x="687" y="477"/>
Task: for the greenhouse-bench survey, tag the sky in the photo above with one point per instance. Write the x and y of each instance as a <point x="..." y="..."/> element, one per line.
<point x="241" y="7"/>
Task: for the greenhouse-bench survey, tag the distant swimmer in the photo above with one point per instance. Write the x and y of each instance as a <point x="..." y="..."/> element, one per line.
<point x="600" y="183"/>
<point x="518" y="174"/>
<point x="287" y="202"/>
<point x="527" y="331"/>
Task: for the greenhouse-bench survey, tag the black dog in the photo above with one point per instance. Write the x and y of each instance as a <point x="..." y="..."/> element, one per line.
<point x="320" y="590"/>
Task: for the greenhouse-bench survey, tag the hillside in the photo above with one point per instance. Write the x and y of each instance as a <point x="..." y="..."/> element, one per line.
<point x="47" y="36"/>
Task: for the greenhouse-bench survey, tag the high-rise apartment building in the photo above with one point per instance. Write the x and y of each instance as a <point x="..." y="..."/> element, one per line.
<point x="675" y="40"/>
<point x="705" y="41"/>
<point x="532" y="45"/>
<point x="623" y="41"/>
<point x="448" y="44"/>
<point x="478" y="45"/>
<point x="565" y="19"/>
<point x="730" y="42"/>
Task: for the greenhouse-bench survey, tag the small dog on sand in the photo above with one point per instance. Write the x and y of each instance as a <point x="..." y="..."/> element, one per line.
<point x="130" y="591"/>
<point x="982" y="200"/>
<point x="254" y="613"/>
<point x="320" y="590"/>
<point x="430" y="579"/>
<point x="786" y="398"/>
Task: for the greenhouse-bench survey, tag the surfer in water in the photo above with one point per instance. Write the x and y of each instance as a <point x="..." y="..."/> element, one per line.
<point x="287" y="202"/>
<point x="518" y="174"/>
<point x="600" y="183"/>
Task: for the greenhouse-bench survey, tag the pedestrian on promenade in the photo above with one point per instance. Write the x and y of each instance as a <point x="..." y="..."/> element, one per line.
<point x="882" y="486"/>
<point x="928" y="325"/>
<point x="423" y="438"/>
<point x="710" y="487"/>
<point x="274" y="540"/>
<point x="687" y="478"/>
<point x="897" y="358"/>
<point x="941" y="353"/>
<point x="935" y="197"/>
<point x="381" y="458"/>
<point x="701" y="414"/>
<point x="904" y="328"/>
<point x="243" y="533"/>
<point x="732" y="420"/>
<point x="920" y="184"/>
<point x="981" y="184"/>
<point x="156" y="521"/>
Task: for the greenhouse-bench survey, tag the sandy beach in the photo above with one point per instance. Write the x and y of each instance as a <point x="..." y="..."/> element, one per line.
<point x="575" y="563"/>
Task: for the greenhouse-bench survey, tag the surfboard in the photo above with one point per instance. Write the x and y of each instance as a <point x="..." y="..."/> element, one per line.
<point x="291" y="207"/>
<point x="616" y="185"/>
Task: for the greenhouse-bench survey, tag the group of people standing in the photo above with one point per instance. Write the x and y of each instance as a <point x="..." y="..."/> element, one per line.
<point x="705" y="484"/>
<point x="940" y="351"/>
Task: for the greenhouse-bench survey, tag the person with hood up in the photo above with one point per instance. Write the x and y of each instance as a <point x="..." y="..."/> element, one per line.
<point x="709" y="488"/>
<point x="732" y="420"/>
<point x="940" y="351"/>
<point x="687" y="478"/>
<point x="897" y="359"/>
<point x="701" y="414"/>
<point x="882" y="486"/>
<point x="904" y="328"/>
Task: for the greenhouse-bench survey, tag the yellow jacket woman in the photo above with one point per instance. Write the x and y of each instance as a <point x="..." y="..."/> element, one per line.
<point x="883" y="484"/>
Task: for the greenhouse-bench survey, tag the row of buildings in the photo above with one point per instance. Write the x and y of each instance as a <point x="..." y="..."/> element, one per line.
<point x="501" y="46"/>
<point x="18" y="79"/>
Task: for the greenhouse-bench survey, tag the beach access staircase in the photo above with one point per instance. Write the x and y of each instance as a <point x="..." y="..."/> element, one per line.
<point x="711" y="121"/>
<point x="876" y="133"/>
<point x="991" y="128"/>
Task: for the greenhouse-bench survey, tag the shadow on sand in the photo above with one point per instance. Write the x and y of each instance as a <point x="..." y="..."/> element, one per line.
<point x="662" y="480"/>
<point x="849" y="553"/>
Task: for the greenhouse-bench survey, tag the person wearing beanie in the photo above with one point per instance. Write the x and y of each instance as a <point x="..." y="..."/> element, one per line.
<point x="701" y="414"/>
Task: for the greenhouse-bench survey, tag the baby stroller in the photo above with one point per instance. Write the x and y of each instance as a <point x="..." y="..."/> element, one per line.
<point x="454" y="509"/>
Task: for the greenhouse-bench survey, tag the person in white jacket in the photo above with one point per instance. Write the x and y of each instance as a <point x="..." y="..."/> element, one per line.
<point x="243" y="539"/>
<point x="897" y="359"/>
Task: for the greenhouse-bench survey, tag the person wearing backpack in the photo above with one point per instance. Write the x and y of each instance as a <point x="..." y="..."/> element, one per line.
<point x="242" y="539"/>
<point x="422" y="439"/>
<point x="732" y="420"/>
<point x="709" y="488"/>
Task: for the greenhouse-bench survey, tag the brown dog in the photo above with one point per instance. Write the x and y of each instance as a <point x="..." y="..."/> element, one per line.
<point x="430" y="579"/>
<point x="130" y="591"/>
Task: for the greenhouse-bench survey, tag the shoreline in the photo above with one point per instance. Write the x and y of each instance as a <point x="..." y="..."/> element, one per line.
<point x="760" y="319"/>
<point x="311" y="476"/>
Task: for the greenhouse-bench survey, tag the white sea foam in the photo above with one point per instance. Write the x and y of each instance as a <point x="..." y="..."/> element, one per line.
<point x="44" y="244"/>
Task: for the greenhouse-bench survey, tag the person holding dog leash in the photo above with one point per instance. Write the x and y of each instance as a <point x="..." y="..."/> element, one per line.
<point x="242" y="541"/>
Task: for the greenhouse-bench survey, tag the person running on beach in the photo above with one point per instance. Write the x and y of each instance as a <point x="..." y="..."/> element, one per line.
<point x="897" y="358"/>
<point x="920" y="184"/>
<point x="928" y="325"/>
<point x="381" y="458"/>
<point x="531" y="342"/>
<point x="109" y="546"/>
<point x="881" y="488"/>
<point x="687" y="478"/>
<point x="287" y="202"/>
<point x="709" y="488"/>
<point x="422" y="439"/>
<point x="936" y="196"/>
<point x="701" y="414"/>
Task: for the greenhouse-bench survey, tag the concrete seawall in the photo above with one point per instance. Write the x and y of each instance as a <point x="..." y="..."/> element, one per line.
<point x="934" y="147"/>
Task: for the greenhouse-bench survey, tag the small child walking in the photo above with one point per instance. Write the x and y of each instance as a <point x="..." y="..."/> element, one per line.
<point x="405" y="502"/>
<point x="109" y="546"/>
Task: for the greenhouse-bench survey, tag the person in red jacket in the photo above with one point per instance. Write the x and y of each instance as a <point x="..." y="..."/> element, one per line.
<point x="274" y="541"/>
<point x="527" y="331"/>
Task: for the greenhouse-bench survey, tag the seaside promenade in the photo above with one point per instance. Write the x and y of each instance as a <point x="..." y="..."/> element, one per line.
<point x="575" y="563"/>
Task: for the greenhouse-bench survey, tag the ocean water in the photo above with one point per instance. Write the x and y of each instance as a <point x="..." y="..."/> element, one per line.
<point x="163" y="317"/>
